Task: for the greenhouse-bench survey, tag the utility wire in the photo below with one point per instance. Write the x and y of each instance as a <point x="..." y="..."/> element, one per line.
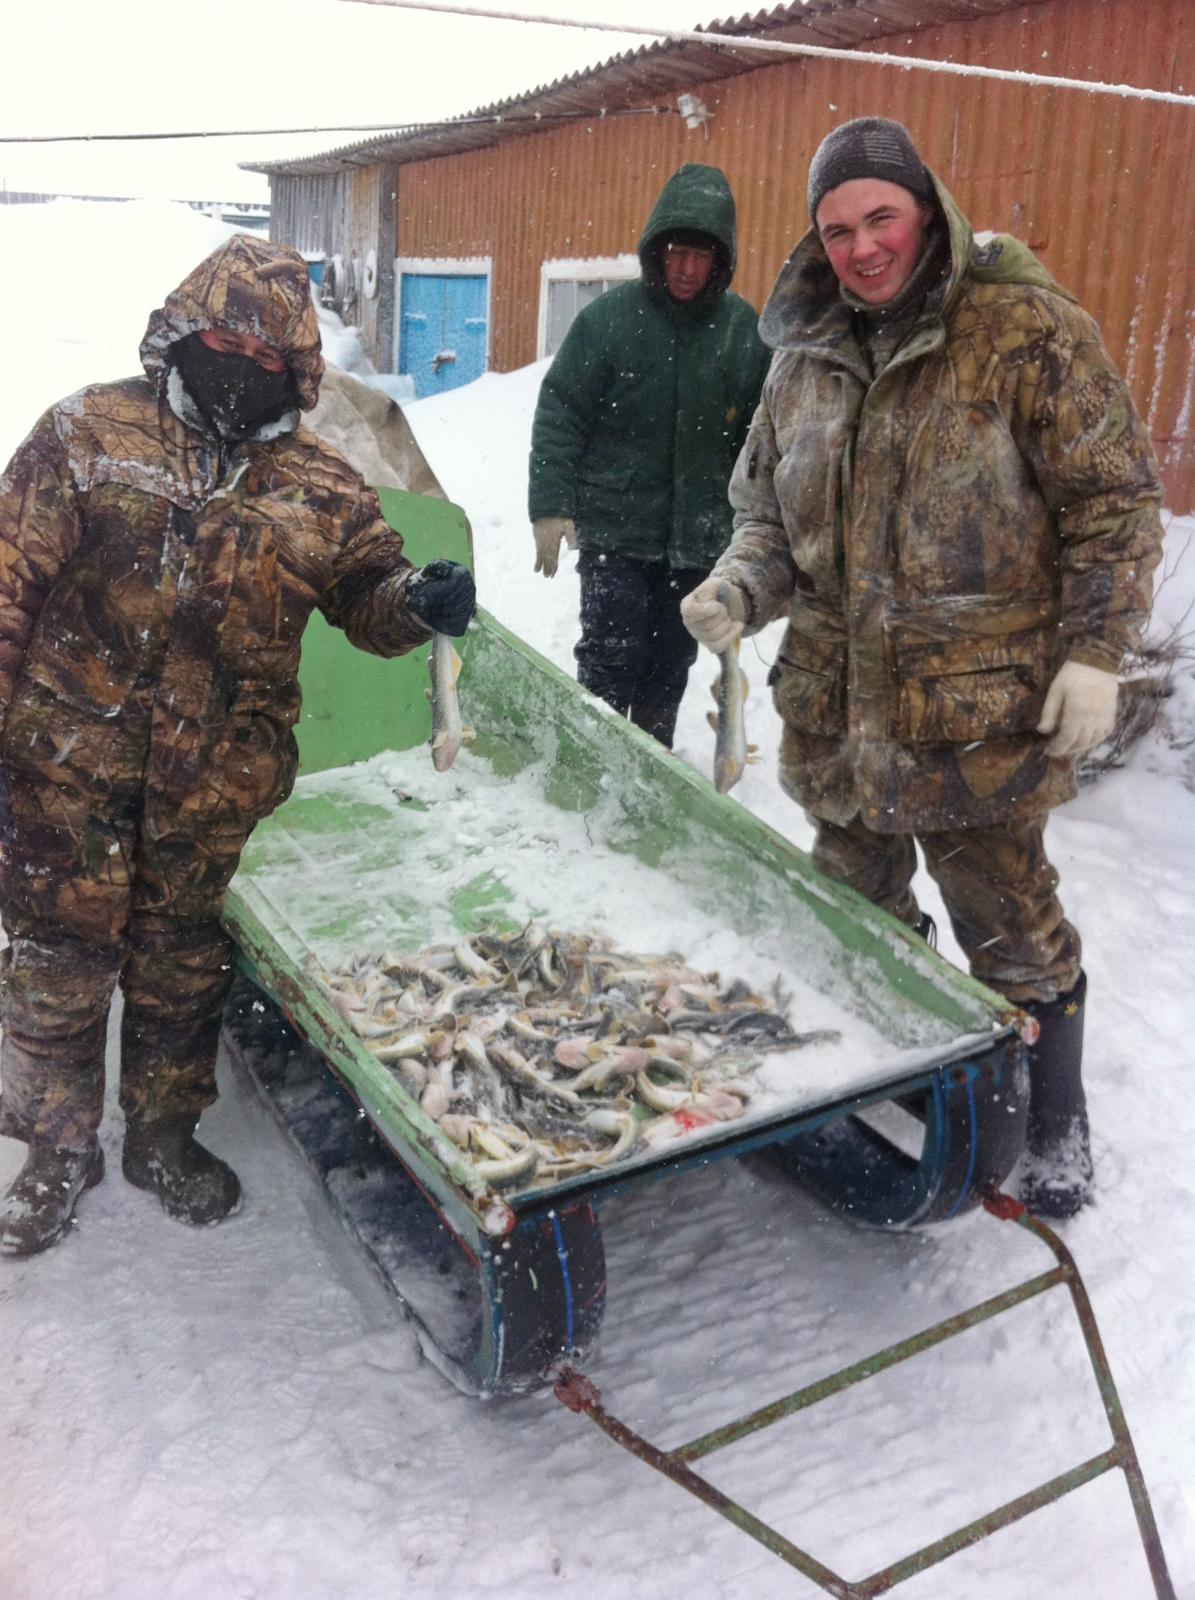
<point x="723" y="41"/>
<point x="676" y="35"/>
<point x="372" y="127"/>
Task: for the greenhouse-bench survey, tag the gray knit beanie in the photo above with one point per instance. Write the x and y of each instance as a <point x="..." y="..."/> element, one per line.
<point x="868" y="147"/>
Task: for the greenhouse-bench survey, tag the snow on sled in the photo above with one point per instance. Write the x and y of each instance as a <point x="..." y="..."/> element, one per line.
<point x="893" y="1085"/>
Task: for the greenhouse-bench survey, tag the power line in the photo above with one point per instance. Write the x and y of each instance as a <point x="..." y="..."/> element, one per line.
<point x="375" y="127"/>
<point x="724" y="41"/>
<point x="678" y="35"/>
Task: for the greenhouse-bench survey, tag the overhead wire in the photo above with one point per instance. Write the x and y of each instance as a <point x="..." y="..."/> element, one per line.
<point x="741" y="42"/>
<point x="725" y="41"/>
<point x="336" y="127"/>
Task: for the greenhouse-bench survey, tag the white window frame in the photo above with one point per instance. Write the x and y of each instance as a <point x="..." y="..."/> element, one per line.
<point x="625" y="267"/>
<point x="449" y="267"/>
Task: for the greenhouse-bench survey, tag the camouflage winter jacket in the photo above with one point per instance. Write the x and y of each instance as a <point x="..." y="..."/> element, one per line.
<point x="941" y="538"/>
<point x="155" y="582"/>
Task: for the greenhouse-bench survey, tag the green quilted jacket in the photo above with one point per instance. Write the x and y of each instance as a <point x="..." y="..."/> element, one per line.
<point x="643" y="412"/>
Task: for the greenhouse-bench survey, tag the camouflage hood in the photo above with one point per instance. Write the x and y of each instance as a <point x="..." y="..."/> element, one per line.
<point x="806" y="311"/>
<point x="251" y="286"/>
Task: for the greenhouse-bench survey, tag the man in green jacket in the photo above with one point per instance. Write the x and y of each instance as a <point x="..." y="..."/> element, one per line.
<point x="948" y="493"/>
<point x="640" y="419"/>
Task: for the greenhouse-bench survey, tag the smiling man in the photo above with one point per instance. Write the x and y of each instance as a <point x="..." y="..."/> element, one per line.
<point x="640" y="420"/>
<point x="873" y="233"/>
<point x="949" y="495"/>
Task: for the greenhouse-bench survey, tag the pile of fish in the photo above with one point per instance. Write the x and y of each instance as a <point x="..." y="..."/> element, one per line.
<point x="543" y="1054"/>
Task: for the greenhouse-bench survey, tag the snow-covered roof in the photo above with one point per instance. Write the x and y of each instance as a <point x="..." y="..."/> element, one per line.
<point x="662" y="68"/>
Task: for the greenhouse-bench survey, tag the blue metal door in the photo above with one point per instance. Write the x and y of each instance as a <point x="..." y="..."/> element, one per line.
<point x="443" y="338"/>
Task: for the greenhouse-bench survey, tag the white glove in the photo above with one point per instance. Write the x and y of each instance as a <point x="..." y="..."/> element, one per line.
<point x="715" y="613"/>
<point x="1080" y="709"/>
<point x="549" y="531"/>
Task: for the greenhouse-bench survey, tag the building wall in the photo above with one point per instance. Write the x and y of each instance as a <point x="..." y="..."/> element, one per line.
<point x="1100" y="186"/>
<point x="307" y="213"/>
<point x="346" y="214"/>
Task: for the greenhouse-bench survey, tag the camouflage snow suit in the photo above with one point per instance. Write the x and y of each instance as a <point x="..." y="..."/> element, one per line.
<point x="943" y="524"/>
<point x="154" y="587"/>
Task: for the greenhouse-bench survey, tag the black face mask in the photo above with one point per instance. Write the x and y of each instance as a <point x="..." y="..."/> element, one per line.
<point x="234" y="393"/>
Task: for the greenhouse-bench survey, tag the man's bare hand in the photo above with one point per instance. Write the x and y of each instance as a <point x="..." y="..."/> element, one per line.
<point x="715" y="613"/>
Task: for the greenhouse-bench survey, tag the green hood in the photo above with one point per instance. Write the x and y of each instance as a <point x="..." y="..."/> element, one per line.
<point x="806" y="310"/>
<point x="698" y="199"/>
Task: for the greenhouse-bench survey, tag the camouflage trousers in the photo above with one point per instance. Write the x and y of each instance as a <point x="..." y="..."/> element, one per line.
<point x="87" y="901"/>
<point x="999" y="889"/>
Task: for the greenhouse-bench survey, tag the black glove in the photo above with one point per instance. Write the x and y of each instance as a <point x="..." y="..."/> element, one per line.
<point x="443" y="595"/>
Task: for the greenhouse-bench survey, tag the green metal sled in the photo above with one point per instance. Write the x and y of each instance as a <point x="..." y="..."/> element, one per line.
<point x="408" y="860"/>
<point x="506" y="1290"/>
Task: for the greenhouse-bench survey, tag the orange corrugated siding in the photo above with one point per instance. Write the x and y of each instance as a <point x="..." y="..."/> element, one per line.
<point x="1102" y="187"/>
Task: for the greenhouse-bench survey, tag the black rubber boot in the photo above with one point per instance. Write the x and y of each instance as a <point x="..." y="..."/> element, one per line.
<point x="40" y="1206"/>
<point x="659" y="721"/>
<point x="926" y="928"/>
<point x="193" y="1185"/>
<point x="1056" y="1172"/>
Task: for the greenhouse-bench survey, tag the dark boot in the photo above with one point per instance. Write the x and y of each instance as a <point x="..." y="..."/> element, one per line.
<point x="659" y="721"/>
<point x="1056" y="1171"/>
<point x="193" y="1185"/>
<point x="40" y="1206"/>
<point x="926" y="928"/>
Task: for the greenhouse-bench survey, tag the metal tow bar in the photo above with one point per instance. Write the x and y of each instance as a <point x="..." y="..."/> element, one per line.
<point x="578" y="1393"/>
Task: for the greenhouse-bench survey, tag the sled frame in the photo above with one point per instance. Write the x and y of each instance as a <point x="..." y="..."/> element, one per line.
<point x="579" y="1394"/>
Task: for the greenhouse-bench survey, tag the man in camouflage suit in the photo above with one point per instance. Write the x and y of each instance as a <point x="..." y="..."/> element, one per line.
<point x="948" y="492"/>
<point x="163" y="541"/>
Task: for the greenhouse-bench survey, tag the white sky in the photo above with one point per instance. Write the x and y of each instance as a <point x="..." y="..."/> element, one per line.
<point x="141" y="66"/>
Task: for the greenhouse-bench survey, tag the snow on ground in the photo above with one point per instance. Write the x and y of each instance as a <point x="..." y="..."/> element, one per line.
<point x="240" y="1414"/>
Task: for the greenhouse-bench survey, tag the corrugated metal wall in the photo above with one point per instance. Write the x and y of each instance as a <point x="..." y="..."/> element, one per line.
<point x="346" y="214"/>
<point x="1101" y="186"/>
<point x="307" y="213"/>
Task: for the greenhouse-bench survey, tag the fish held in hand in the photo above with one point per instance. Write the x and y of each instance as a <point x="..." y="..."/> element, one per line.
<point x="730" y="725"/>
<point x="448" y="734"/>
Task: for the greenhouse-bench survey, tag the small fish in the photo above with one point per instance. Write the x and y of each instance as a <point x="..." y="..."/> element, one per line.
<point x="521" y="1024"/>
<point x="618" y="1125"/>
<point x="413" y="1072"/>
<point x="718" y="1103"/>
<point x="471" y="1050"/>
<point x="659" y="1096"/>
<point x="575" y="1054"/>
<point x="462" y="997"/>
<point x="474" y="964"/>
<point x="622" y="1061"/>
<point x="434" y="1100"/>
<point x="730" y="727"/>
<point x="525" y="1075"/>
<point x="415" y="1043"/>
<point x="504" y="1159"/>
<point x="767" y="1030"/>
<point x="609" y="1122"/>
<point x="663" y="1044"/>
<point x="444" y="665"/>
